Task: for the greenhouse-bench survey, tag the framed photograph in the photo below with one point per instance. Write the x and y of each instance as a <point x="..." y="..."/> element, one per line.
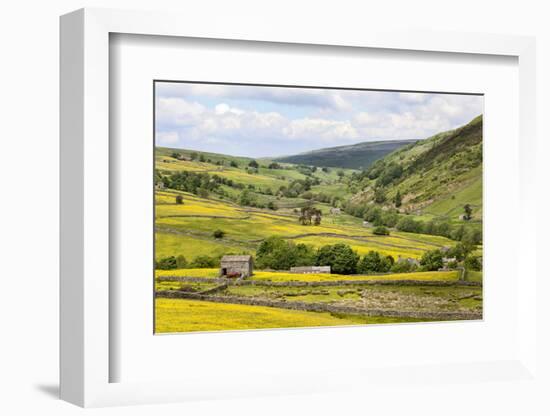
<point x="285" y="206"/>
<point x="247" y="215"/>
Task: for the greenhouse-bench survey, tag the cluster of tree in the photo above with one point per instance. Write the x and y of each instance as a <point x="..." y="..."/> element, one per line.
<point x="373" y="214"/>
<point x="432" y="260"/>
<point x="277" y="254"/>
<point x="306" y="170"/>
<point x="473" y="262"/>
<point x="274" y="165"/>
<point x="391" y="218"/>
<point x="374" y="262"/>
<point x="462" y="252"/>
<point x="409" y="224"/>
<point x="389" y="174"/>
<point x="180" y="262"/>
<point x="310" y="215"/>
<point x="321" y="197"/>
<point x="248" y="198"/>
<point x="379" y="195"/>
<point x="171" y="262"/>
<point x="340" y="257"/>
<point x="298" y="186"/>
<point x="467" y="235"/>
<point x="196" y="183"/>
<point x="382" y="172"/>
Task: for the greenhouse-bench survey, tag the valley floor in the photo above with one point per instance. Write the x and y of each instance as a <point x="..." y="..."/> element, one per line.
<point x="196" y="300"/>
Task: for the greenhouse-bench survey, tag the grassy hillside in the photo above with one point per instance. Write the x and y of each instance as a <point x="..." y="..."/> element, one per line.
<point x="356" y="156"/>
<point x="435" y="177"/>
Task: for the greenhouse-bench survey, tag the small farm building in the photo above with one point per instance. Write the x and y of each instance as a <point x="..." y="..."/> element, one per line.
<point x="409" y="260"/>
<point x="236" y="266"/>
<point x="310" y="269"/>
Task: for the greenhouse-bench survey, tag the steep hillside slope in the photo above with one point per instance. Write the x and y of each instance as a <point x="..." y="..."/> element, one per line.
<point x="356" y="156"/>
<point x="436" y="176"/>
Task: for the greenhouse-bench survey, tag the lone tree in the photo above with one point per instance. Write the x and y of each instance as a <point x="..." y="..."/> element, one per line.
<point x="219" y="233"/>
<point x="397" y="200"/>
<point x="181" y="262"/>
<point x="309" y="215"/>
<point x="253" y="164"/>
<point x="467" y="212"/>
<point x="179" y="199"/>
<point x="380" y="230"/>
<point x="166" y="263"/>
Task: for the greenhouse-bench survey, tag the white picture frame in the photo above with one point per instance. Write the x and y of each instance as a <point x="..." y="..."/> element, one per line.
<point x="85" y="202"/>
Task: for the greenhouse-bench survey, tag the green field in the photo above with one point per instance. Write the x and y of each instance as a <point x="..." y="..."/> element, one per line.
<point x="186" y="229"/>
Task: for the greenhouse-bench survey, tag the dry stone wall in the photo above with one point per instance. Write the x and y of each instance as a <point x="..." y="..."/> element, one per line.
<point x="320" y="307"/>
<point x="296" y="283"/>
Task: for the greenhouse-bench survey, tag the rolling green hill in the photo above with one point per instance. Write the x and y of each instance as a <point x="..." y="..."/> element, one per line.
<point x="435" y="177"/>
<point x="355" y="156"/>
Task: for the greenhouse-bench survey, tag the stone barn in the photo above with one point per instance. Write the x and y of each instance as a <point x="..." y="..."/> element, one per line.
<point x="236" y="266"/>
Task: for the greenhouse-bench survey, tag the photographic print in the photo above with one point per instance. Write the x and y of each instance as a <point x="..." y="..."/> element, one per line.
<point x="285" y="207"/>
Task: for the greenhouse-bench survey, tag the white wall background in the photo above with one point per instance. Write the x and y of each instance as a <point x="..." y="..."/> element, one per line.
<point x="29" y="203"/>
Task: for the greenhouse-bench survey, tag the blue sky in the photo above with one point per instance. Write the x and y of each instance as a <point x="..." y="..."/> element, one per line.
<point x="259" y="121"/>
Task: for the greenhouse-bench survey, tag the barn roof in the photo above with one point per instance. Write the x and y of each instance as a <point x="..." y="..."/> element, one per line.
<point x="236" y="258"/>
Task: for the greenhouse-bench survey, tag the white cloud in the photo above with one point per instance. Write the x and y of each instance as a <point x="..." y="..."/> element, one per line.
<point x="312" y="97"/>
<point x="320" y="129"/>
<point x="178" y="111"/>
<point x="413" y="97"/>
<point x="223" y="108"/>
<point x="366" y="119"/>
<point x="226" y="115"/>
